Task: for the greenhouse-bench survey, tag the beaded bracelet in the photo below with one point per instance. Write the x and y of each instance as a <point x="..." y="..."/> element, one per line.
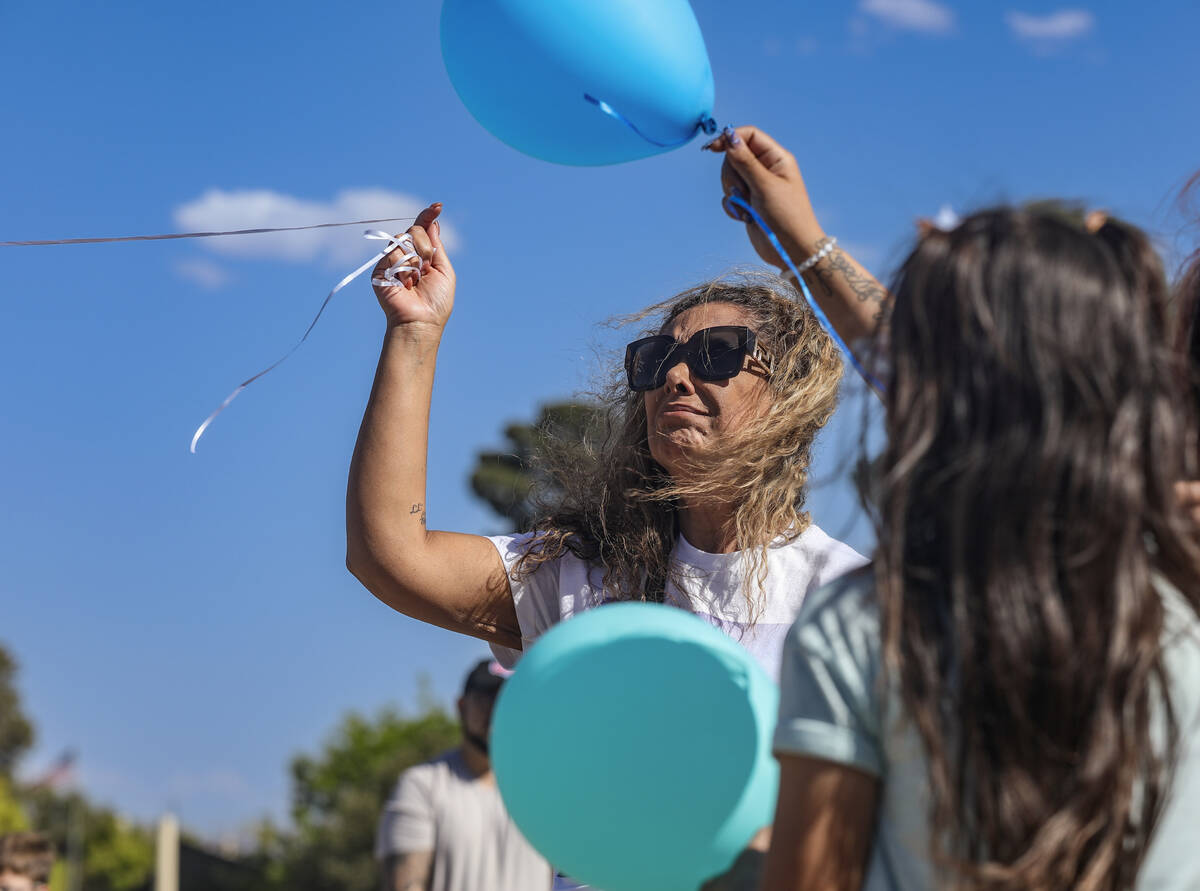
<point x="825" y="251"/>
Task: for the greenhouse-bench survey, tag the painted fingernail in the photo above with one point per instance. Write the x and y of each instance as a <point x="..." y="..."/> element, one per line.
<point x="732" y="136"/>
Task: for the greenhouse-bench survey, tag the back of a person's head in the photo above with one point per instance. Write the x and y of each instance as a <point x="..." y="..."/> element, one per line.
<point x="1036" y="429"/>
<point x="27" y="854"/>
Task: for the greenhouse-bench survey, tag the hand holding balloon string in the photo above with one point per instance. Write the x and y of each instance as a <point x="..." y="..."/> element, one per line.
<point x="761" y="171"/>
<point x="415" y="282"/>
<point x="762" y="182"/>
<point x="760" y="176"/>
<point x="398" y="267"/>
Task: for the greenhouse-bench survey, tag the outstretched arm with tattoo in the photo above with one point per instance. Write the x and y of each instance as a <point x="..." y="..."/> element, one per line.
<point x="445" y="578"/>
<point x="769" y="178"/>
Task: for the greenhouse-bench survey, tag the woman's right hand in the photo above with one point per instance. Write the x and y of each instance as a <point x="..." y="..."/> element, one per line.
<point x="420" y="303"/>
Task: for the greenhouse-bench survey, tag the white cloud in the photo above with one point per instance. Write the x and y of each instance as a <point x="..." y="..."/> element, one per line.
<point x="205" y="273"/>
<point x="1057" y="27"/>
<point x="219" y="210"/>
<point x="911" y="15"/>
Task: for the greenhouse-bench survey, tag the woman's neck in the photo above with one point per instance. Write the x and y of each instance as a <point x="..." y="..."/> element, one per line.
<point x="708" y="527"/>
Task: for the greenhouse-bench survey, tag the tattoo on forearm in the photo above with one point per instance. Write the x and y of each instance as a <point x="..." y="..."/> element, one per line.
<point x="862" y="285"/>
<point x="418" y="511"/>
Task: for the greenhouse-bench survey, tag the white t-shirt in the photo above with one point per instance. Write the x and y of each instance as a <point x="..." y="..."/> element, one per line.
<point x="440" y="806"/>
<point x="713" y="589"/>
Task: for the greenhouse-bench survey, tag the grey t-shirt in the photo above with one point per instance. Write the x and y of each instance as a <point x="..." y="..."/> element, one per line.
<point x="440" y="806"/>
<point x="831" y="708"/>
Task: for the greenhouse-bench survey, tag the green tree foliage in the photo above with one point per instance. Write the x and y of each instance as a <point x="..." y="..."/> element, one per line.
<point x="337" y="797"/>
<point x="514" y="482"/>
<point x="16" y="732"/>
<point x="12" y="815"/>
<point x="117" y="855"/>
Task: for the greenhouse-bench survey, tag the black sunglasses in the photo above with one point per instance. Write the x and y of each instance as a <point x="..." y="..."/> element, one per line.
<point x="714" y="354"/>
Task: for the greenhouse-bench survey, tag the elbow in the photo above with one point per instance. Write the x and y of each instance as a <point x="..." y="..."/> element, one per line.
<point x="361" y="563"/>
<point x="353" y="562"/>
<point x="388" y="582"/>
<point x="364" y="567"/>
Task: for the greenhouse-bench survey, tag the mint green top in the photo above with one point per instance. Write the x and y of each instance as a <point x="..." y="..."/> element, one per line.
<point x="831" y="708"/>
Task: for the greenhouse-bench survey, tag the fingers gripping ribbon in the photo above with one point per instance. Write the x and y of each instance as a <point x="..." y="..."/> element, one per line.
<point x="390" y="278"/>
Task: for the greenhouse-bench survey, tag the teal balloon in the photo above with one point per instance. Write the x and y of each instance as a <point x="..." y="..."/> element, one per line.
<point x="522" y="68"/>
<point x="632" y="748"/>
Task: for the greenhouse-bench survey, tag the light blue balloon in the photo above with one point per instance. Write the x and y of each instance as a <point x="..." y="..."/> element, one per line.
<point x="633" y="748"/>
<point x="522" y="68"/>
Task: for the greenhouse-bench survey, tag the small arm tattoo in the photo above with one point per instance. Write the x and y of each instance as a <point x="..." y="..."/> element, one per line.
<point x="862" y="285"/>
<point x="418" y="511"/>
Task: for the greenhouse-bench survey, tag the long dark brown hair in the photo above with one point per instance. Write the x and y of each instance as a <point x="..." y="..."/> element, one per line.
<point x="617" y="507"/>
<point x="1036" y="426"/>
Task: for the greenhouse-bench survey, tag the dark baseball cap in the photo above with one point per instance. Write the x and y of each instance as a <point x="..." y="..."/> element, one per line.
<point x="487" y="678"/>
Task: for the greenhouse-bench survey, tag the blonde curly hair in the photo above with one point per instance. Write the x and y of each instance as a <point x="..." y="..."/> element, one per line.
<point x="617" y="508"/>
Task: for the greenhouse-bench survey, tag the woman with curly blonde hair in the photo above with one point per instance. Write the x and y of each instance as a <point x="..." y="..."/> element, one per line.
<point x="693" y="495"/>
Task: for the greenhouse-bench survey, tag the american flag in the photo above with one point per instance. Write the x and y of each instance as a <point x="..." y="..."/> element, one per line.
<point x="59" y="773"/>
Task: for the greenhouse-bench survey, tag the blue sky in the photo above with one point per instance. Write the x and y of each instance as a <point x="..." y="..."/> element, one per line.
<point x="186" y="621"/>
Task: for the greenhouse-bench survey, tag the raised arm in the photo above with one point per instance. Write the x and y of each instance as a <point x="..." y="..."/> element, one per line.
<point x="769" y="178"/>
<point x="448" y="579"/>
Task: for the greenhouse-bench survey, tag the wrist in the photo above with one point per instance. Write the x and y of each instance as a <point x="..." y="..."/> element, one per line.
<point x="803" y="247"/>
<point x="420" y="336"/>
<point x="799" y="232"/>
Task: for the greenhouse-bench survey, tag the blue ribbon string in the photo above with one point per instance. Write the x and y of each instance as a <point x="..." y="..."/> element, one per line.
<point x="737" y="200"/>
<point x="705" y="124"/>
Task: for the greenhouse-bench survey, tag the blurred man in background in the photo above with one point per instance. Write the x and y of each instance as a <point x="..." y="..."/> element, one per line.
<point x="444" y="827"/>
<point x="26" y="859"/>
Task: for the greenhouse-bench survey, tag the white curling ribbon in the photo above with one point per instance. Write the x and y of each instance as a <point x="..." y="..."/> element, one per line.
<point x="388" y="279"/>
